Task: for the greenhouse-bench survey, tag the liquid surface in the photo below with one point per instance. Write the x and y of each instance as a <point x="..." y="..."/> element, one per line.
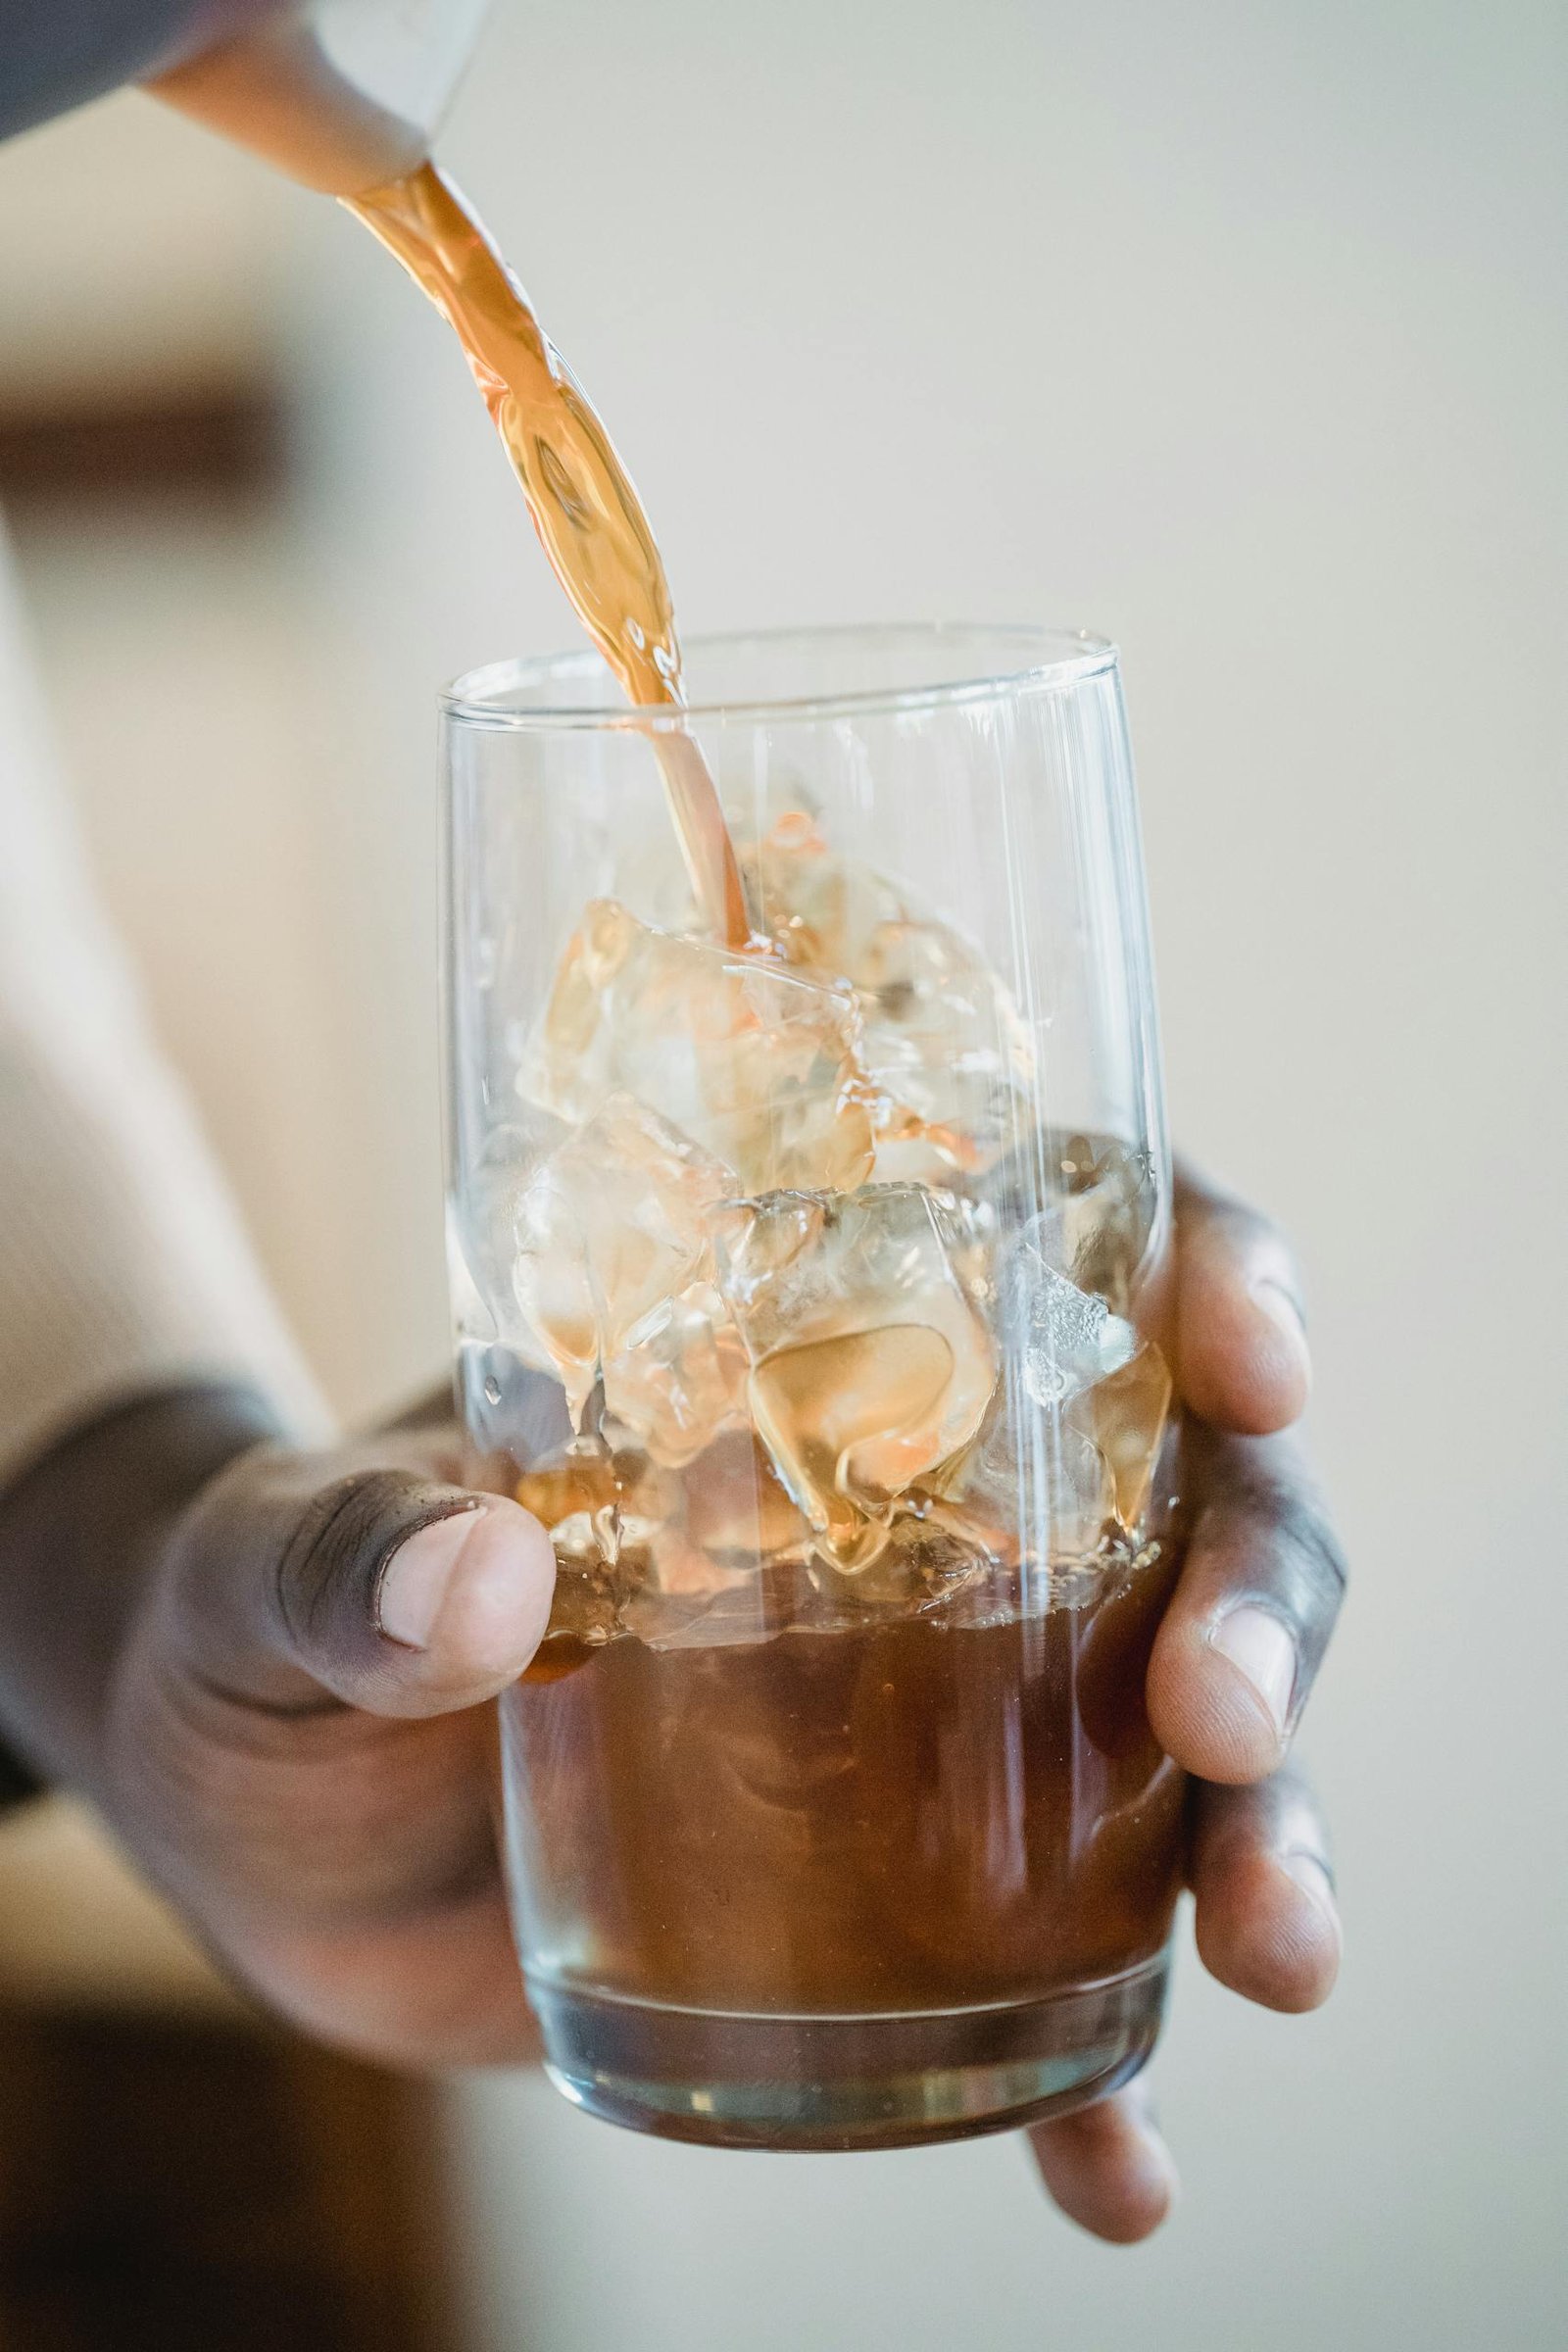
<point x="585" y="510"/>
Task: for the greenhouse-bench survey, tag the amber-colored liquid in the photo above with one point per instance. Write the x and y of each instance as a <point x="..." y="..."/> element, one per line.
<point x="836" y="1796"/>
<point x="584" y="507"/>
<point x="903" y="1818"/>
<point x="852" y="1766"/>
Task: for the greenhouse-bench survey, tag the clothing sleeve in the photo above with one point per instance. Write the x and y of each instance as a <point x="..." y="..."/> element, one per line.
<point x="124" y="1265"/>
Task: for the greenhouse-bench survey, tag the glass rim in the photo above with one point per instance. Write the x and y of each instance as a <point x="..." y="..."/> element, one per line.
<point x="474" y="698"/>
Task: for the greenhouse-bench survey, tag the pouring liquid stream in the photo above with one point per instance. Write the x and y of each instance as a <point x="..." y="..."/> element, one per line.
<point x="588" y="515"/>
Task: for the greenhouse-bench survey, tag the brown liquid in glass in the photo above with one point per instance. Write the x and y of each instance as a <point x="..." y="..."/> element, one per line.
<point x="907" y="1818"/>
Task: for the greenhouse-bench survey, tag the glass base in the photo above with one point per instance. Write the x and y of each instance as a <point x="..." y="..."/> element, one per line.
<point x="839" y="2082"/>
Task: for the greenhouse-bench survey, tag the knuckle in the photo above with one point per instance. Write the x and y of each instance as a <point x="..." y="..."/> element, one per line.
<point x="1314" y="1549"/>
<point x="1285" y="1530"/>
<point x="1290" y="1823"/>
<point x="1253" y="1828"/>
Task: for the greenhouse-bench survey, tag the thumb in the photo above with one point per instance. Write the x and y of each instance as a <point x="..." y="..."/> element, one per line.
<point x="297" y="1580"/>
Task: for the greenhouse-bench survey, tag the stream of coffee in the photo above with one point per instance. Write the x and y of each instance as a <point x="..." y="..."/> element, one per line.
<point x="584" y="507"/>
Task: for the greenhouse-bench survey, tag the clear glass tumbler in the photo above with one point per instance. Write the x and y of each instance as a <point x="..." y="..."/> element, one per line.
<point x="811" y="1295"/>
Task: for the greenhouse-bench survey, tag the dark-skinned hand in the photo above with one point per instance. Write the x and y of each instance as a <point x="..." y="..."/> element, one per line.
<point x="272" y="1670"/>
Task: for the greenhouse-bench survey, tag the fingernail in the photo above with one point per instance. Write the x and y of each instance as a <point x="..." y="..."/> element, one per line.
<point x="1259" y="1645"/>
<point x="414" y="1583"/>
<point x="1282" y="1308"/>
<point x="1315" y="1880"/>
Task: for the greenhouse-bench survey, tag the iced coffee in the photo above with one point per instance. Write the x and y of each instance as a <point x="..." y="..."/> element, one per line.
<point x="807" y="1209"/>
<point x="835" y="1815"/>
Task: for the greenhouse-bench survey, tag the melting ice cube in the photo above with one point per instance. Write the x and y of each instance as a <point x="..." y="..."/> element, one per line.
<point x="1066" y="1339"/>
<point x="1035" y="1490"/>
<point x="822" y="909"/>
<point x="680" y="1376"/>
<point x="752" y="1060"/>
<point x="1125" y="1416"/>
<point x="1090" y="1202"/>
<point x="870" y="1366"/>
<point x="943" y="1042"/>
<point x="609" y="1229"/>
<point x="1070" y="1445"/>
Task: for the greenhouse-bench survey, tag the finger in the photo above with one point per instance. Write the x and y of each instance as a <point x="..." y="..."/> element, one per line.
<point x="1253" y="1611"/>
<point x="1108" y="2167"/>
<point x="390" y="1592"/>
<point x="1242" y="1358"/>
<point x="442" y="1988"/>
<point x="1267" y="1923"/>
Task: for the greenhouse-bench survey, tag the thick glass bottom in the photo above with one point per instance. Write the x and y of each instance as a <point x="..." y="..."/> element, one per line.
<point x="840" y="2082"/>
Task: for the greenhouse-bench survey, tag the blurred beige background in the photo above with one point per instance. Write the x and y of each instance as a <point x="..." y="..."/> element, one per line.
<point x="1241" y="332"/>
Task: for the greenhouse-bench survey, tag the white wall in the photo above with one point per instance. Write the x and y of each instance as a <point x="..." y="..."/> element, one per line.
<point x="1241" y="332"/>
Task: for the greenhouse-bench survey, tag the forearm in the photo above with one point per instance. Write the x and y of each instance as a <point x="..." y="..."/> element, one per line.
<point x="78" y="1532"/>
<point x="137" y="1334"/>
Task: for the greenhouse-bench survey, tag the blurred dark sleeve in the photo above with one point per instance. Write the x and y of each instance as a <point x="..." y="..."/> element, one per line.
<point x="57" y="54"/>
<point x="16" y="1783"/>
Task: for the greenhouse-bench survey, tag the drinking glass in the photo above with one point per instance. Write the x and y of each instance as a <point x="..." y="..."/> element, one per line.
<point x="812" y="1295"/>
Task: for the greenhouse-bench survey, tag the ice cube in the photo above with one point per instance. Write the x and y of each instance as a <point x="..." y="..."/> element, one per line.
<point x="680" y="1376"/>
<point x="737" y="1509"/>
<point x="943" y="1042"/>
<point x="1072" y="1442"/>
<point x="1075" y="1350"/>
<point x="1090" y="1203"/>
<point x="603" y="1513"/>
<point x="1108" y="1216"/>
<point x="870" y="1366"/>
<point x="822" y="909"/>
<point x="924" y="1562"/>
<point x="1036" y="1491"/>
<point x="1124" y="1416"/>
<point x="752" y="1060"/>
<point x="641" y="1551"/>
<point x="1065" y="1339"/>
<point x="609" y="1229"/>
<point x="480" y="1221"/>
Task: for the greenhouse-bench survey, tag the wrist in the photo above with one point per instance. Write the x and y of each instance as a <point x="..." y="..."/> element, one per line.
<point x="81" y="1531"/>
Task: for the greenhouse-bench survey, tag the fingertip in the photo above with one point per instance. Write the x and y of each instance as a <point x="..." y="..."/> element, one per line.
<point x="466" y="1597"/>
<point x="1145" y="2198"/>
<point x="1242" y="1347"/>
<point x="1280" y="1361"/>
<point x="1323" y="1942"/>
<point x="1206" y="1713"/>
<point x="1271" y="1932"/>
<point x="496" y="1605"/>
<point x="1108" y="2170"/>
